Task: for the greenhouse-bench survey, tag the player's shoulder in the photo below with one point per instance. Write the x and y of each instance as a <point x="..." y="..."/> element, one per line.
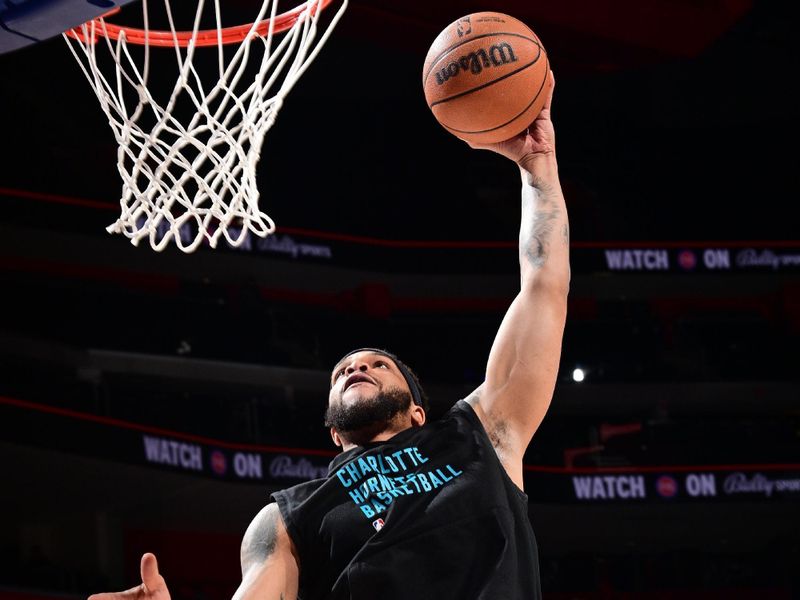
<point x="464" y="415"/>
<point x="265" y="521"/>
<point x="495" y="428"/>
<point x="261" y="537"/>
<point x="472" y="399"/>
<point x="469" y="407"/>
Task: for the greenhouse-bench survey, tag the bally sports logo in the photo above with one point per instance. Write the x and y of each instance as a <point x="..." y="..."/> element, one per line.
<point x="475" y="62"/>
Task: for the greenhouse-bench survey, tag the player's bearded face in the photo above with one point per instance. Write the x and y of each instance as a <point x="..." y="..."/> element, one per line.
<point x="367" y="411"/>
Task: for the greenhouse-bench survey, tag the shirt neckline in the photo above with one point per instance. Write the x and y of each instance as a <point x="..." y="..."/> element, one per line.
<point x="344" y="457"/>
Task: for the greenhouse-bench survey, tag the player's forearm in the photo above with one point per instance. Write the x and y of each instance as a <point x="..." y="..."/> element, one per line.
<point x="544" y="228"/>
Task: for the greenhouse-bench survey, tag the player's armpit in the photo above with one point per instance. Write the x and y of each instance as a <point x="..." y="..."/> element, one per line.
<point x="270" y="569"/>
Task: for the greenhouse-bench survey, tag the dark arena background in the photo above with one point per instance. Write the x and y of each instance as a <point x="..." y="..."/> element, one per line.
<point x="151" y="401"/>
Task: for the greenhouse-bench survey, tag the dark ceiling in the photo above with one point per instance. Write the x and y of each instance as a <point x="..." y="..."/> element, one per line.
<point x="586" y="37"/>
<point x="672" y="116"/>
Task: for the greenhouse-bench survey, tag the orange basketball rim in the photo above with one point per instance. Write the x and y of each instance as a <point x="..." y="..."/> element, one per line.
<point x="203" y="37"/>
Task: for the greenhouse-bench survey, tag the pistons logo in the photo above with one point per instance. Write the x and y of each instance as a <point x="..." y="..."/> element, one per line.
<point x="218" y="463"/>
<point x="666" y="486"/>
<point x="687" y="260"/>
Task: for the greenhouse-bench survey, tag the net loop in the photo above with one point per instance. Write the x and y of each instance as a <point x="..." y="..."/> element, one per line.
<point x="187" y="154"/>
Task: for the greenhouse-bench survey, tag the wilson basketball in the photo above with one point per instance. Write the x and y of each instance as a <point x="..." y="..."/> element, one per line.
<point x="485" y="77"/>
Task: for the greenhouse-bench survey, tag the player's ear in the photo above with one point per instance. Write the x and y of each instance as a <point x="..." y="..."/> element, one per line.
<point x="335" y="437"/>
<point x="417" y="415"/>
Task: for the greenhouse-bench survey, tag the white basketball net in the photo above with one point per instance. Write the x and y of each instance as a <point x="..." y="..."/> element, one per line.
<point x="193" y="178"/>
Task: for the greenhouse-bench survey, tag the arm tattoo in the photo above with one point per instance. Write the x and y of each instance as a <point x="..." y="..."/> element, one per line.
<point x="261" y="537"/>
<point x="537" y="228"/>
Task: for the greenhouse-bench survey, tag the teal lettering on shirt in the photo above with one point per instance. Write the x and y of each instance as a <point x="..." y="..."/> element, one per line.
<point x="374" y="482"/>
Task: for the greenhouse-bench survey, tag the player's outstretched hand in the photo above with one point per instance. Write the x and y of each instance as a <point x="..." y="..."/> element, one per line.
<point x="538" y="140"/>
<point x="153" y="586"/>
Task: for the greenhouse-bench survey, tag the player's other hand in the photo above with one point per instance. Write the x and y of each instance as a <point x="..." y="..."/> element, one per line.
<point x="538" y="140"/>
<point x="153" y="586"/>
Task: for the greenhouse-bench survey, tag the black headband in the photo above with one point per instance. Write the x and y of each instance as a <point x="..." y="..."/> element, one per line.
<point x="416" y="394"/>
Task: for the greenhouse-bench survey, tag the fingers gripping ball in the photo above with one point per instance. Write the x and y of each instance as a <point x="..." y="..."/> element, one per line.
<point x="485" y="77"/>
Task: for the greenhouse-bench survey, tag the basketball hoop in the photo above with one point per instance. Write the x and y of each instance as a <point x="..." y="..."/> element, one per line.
<point x="188" y="164"/>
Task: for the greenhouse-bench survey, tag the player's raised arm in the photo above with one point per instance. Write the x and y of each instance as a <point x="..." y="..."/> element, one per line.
<point x="523" y="362"/>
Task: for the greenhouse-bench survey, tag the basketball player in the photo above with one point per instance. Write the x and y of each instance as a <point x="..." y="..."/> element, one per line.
<point x="426" y="510"/>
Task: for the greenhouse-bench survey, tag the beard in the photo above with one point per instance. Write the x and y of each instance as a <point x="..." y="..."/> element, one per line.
<point x="368" y="415"/>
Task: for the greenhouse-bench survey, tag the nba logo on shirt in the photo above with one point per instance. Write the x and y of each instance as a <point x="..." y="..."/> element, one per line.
<point x="378" y="524"/>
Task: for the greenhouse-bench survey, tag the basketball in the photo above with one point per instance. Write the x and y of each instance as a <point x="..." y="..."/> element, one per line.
<point x="486" y="77"/>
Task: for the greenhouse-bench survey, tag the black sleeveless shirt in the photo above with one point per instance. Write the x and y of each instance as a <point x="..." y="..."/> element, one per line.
<point x="430" y="513"/>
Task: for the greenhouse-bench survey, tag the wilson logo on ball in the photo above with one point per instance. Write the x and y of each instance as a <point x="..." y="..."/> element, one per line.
<point x="475" y="62"/>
